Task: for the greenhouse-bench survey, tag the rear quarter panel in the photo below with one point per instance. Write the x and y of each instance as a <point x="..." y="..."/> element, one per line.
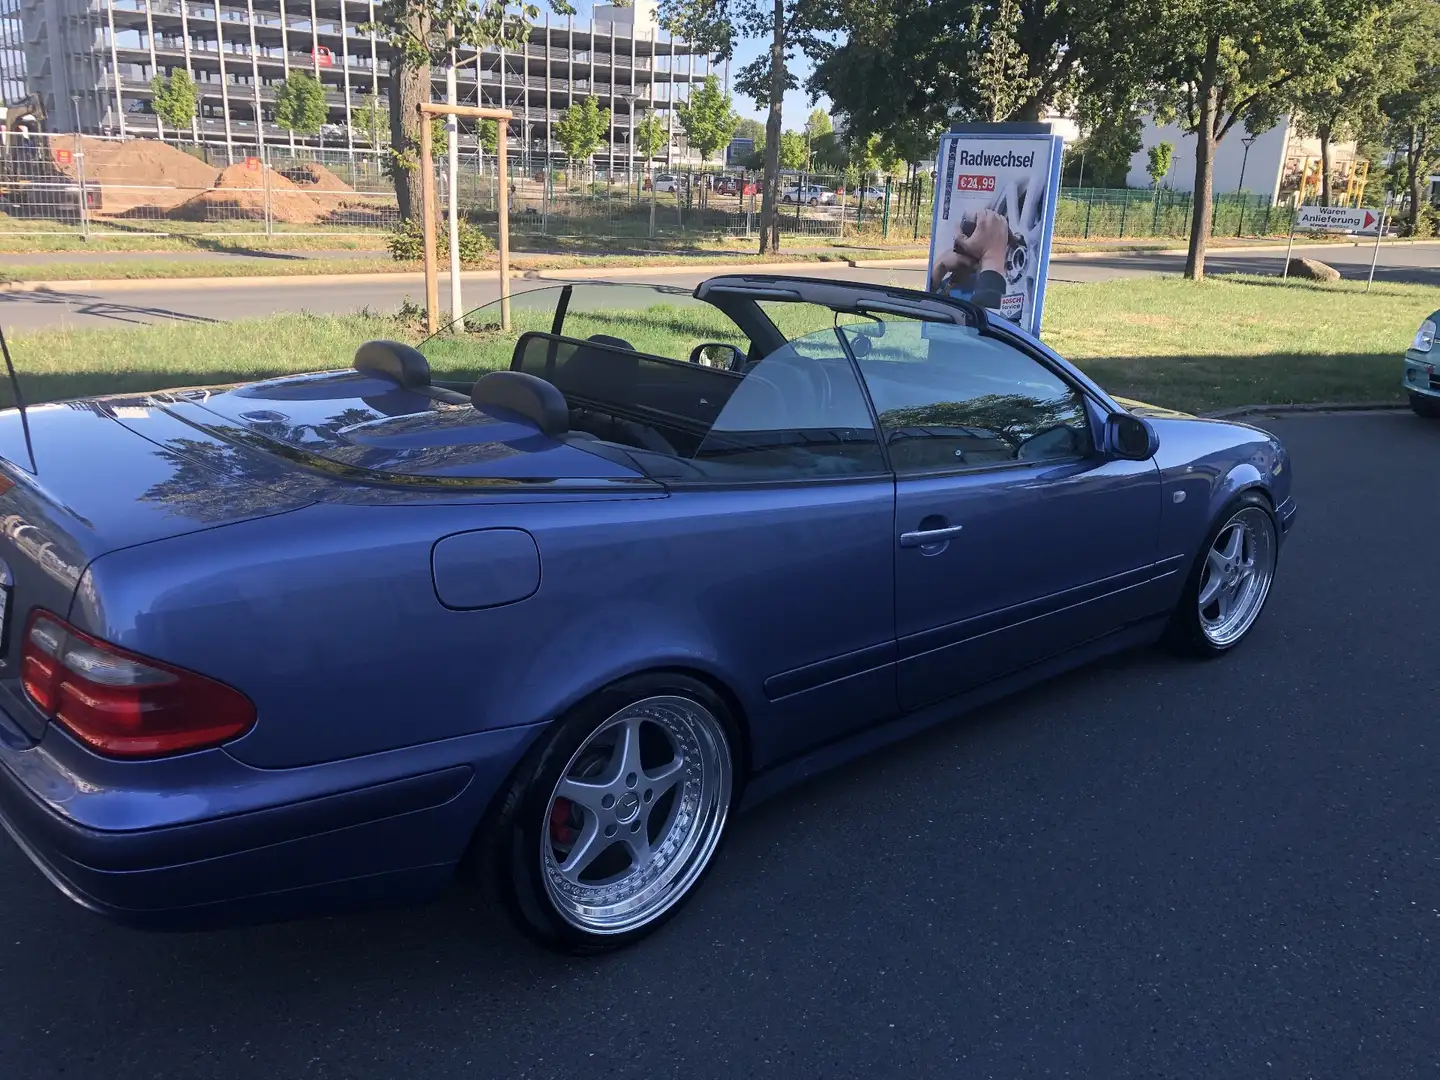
<point x="329" y="620"/>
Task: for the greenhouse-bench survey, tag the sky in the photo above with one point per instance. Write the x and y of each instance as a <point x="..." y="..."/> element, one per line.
<point x="797" y="104"/>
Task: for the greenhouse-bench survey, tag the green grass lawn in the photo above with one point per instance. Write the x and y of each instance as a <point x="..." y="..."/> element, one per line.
<point x="1195" y="347"/>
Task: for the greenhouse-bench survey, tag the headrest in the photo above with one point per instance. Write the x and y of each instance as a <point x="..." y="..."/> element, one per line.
<point x="535" y="400"/>
<point x="394" y="361"/>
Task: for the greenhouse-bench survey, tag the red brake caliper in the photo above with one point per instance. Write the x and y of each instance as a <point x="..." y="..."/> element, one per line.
<point x="562" y="814"/>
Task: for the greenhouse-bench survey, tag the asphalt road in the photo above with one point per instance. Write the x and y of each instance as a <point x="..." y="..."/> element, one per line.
<point x="1148" y="868"/>
<point x="110" y="306"/>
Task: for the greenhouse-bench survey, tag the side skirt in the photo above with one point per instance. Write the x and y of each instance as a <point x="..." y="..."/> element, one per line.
<point x="797" y="770"/>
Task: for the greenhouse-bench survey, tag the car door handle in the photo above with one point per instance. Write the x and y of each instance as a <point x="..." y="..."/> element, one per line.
<point x="926" y="537"/>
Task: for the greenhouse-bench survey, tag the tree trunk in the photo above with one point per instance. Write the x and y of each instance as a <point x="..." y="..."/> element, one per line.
<point x="770" y="199"/>
<point x="1325" y="194"/>
<point x="1204" y="164"/>
<point x="408" y="87"/>
<point x="1414" y="151"/>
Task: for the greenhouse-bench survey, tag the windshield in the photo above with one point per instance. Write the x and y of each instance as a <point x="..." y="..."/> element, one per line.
<point x="655" y="319"/>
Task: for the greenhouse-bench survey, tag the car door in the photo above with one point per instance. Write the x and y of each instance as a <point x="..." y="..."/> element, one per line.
<point x="1015" y="538"/>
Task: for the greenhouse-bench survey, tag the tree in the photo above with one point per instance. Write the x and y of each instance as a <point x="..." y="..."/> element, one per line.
<point x="373" y="117"/>
<point x="651" y="136"/>
<point x="421" y="32"/>
<point x="1210" y="66"/>
<point x="1158" y="160"/>
<point x="891" y="65"/>
<point x="707" y="118"/>
<point x="174" y="98"/>
<point x="715" y="24"/>
<point x="750" y="129"/>
<point x="1339" y="96"/>
<point x="1413" y="106"/>
<point x="1000" y="69"/>
<point x="792" y="150"/>
<point x="487" y="134"/>
<point x="1111" y="138"/>
<point x="582" y="129"/>
<point x="300" y="104"/>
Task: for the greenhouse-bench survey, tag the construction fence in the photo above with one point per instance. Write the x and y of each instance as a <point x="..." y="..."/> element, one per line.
<point x="67" y="184"/>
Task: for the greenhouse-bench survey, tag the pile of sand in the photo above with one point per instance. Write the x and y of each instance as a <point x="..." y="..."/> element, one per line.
<point x="239" y="194"/>
<point x="138" y="173"/>
<point x="313" y="177"/>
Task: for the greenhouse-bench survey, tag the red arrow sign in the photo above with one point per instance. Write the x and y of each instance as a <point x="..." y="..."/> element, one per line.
<point x="1369" y="220"/>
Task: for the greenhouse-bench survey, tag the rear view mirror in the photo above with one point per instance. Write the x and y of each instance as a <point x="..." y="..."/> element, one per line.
<point x="717" y="355"/>
<point x="1130" y="437"/>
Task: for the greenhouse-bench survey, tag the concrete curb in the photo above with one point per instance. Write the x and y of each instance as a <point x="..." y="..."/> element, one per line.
<point x="587" y="273"/>
<point x="286" y="280"/>
<point x="1317" y="407"/>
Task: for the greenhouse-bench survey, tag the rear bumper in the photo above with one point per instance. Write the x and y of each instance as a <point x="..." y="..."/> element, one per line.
<point x="396" y="838"/>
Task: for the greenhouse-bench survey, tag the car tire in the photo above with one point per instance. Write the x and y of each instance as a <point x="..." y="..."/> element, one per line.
<point x="1426" y="406"/>
<point x="1229" y="582"/>
<point x="609" y="900"/>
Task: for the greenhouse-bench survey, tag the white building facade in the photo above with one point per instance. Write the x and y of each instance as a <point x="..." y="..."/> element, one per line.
<point x="1269" y="163"/>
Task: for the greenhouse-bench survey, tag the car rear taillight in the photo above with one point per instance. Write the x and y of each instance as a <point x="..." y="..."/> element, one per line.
<point x="122" y="704"/>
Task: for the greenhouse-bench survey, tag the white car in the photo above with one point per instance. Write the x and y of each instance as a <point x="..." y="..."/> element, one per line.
<point x="810" y="194"/>
<point x="867" y="193"/>
<point x="668" y="182"/>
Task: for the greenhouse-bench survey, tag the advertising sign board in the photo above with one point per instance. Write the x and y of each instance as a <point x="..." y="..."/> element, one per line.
<point x="1346" y="219"/>
<point x="995" y="194"/>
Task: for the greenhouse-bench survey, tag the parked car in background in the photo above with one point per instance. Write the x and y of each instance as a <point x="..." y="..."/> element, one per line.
<point x="1422" y="373"/>
<point x="866" y="193"/>
<point x="668" y="182"/>
<point x="287" y="647"/>
<point x="810" y="194"/>
<point x="735" y="185"/>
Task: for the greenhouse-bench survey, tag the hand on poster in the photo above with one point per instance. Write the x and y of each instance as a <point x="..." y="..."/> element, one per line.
<point x="975" y="265"/>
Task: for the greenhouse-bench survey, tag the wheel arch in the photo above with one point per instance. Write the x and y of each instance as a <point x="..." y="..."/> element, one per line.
<point x="475" y="850"/>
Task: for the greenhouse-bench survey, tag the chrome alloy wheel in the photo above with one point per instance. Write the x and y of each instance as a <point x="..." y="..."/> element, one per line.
<point x="1239" y="568"/>
<point x="636" y="814"/>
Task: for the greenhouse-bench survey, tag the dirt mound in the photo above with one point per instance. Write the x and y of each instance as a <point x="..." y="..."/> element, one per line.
<point x="315" y="177"/>
<point x="239" y="194"/>
<point x="138" y="173"/>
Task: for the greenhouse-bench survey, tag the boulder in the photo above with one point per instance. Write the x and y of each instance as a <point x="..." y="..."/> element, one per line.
<point x="1313" y="270"/>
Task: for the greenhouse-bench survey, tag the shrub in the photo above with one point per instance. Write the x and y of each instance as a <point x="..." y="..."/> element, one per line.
<point x="407" y="239"/>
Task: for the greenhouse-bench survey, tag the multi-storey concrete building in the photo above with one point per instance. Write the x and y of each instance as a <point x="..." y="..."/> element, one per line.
<point x="91" y="62"/>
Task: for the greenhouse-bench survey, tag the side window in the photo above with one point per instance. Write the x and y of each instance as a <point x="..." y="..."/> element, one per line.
<point x="948" y="398"/>
<point x="797" y="413"/>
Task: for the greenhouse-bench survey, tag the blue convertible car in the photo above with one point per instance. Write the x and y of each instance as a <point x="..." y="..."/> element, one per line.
<point x="546" y="600"/>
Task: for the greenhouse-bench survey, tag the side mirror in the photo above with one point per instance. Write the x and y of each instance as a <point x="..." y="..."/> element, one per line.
<point x="717" y="355"/>
<point x="1130" y="437"/>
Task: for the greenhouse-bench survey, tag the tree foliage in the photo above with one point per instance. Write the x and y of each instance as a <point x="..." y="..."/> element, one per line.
<point x="175" y="98"/>
<point x="651" y="136"/>
<point x="300" y="104"/>
<point x="372" y="116"/>
<point x="1412" y="110"/>
<point x="1158" y="160"/>
<point x="421" y="32"/>
<point x="1211" y="66"/>
<point x="707" y="118"/>
<point x="582" y="128"/>
<point x="792" y="150"/>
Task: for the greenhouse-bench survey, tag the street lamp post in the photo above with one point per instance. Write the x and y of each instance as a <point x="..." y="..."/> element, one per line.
<point x="1246" y="142"/>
